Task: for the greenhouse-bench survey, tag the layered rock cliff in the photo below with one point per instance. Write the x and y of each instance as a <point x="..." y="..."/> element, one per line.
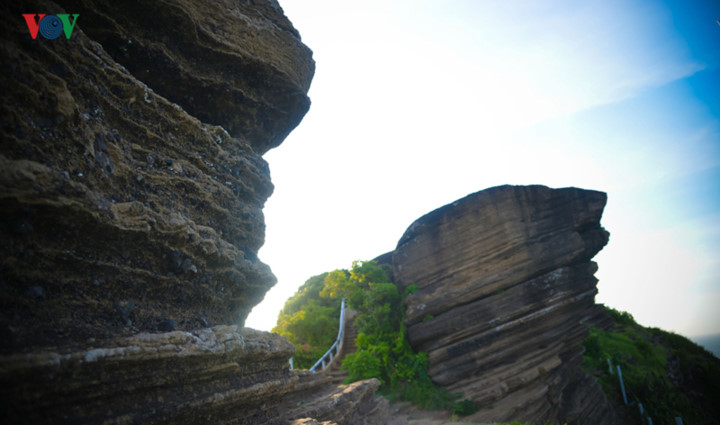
<point x="131" y="195"/>
<point x="122" y="212"/>
<point x="505" y="293"/>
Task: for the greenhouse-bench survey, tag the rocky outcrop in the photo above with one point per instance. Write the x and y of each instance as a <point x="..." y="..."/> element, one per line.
<point x="317" y="398"/>
<point x="240" y="65"/>
<point x="175" y="377"/>
<point x="505" y="293"/>
<point x="130" y="219"/>
<point x="121" y="212"/>
<point x="217" y="375"/>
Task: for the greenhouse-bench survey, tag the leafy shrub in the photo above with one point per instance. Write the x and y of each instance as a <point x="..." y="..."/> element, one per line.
<point x="362" y="365"/>
<point x="411" y="289"/>
<point x="309" y="320"/>
<point x="464" y="408"/>
<point x="621" y="317"/>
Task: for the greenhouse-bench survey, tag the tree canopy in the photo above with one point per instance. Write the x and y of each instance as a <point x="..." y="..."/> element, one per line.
<point x="310" y="321"/>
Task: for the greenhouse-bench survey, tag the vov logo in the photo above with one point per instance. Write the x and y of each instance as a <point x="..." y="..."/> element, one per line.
<point x="50" y="26"/>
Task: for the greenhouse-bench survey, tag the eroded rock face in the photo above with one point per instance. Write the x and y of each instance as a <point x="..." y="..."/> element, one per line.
<point x="175" y="377"/>
<point x="130" y="223"/>
<point x="220" y="375"/>
<point x="121" y="212"/>
<point x="505" y="292"/>
<point x="232" y="63"/>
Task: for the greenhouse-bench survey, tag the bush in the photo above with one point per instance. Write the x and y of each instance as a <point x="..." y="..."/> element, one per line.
<point x="383" y="351"/>
<point x="464" y="408"/>
<point x="362" y="365"/>
<point x="621" y="317"/>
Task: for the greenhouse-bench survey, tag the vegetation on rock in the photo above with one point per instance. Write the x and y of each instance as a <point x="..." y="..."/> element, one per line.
<point x="505" y="293"/>
<point x="669" y="374"/>
<point x="309" y="320"/>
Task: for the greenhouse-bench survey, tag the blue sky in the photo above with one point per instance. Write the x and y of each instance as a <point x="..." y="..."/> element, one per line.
<point x="418" y="103"/>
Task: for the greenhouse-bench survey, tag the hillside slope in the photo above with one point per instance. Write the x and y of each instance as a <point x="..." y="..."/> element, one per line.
<point x="667" y="373"/>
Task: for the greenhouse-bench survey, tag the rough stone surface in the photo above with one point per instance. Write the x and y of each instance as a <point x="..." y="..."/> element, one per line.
<point x="130" y="225"/>
<point x="120" y="212"/>
<point x="222" y="375"/>
<point x="310" y="421"/>
<point x="176" y="377"/>
<point x="505" y="292"/>
<point x="238" y="64"/>
<point x="353" y="404"/>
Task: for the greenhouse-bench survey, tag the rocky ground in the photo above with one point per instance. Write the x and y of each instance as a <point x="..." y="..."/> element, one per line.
<point x="404" y="413"/>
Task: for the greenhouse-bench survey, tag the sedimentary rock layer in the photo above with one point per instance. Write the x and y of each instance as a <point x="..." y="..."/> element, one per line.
<point x="220" y="375"/>
<point x="505" y="291"/>
<point x="175" y="377"/>
<point x="237" y="64"/>
<point x="129" y="228"/>
<point x="120" y="211"/>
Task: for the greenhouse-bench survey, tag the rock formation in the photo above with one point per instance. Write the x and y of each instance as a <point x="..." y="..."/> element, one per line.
<point x="130" y="219"/>
<point x="505" y="292"/>
<point x="237" y="64"/>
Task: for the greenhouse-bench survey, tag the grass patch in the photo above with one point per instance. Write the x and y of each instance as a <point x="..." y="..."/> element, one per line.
<point x="643" y="355"/>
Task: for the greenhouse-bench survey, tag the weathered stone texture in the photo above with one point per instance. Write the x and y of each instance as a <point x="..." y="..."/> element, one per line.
<point x="176" y="377"/>
<point x="122" y="213"/>
<point x="129" y="228"/>
<point x="314" y="397"/>
<point x="238" y="64"/>
<point x="220" y="375"/>
<point x="505" y="291"/>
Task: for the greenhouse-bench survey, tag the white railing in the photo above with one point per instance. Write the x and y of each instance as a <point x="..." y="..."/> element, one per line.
<point x="328" y="357"/>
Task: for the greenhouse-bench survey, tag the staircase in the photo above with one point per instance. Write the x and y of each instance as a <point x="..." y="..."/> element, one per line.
<point x="335" y="372"/>
<point x="320" y="391"/>
<point x="328" y="368"/>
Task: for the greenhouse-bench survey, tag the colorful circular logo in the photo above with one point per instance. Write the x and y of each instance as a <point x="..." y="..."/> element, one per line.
<point x="51" y="27"/>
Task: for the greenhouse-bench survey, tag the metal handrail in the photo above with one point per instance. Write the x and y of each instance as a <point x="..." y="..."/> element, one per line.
<point x="337" y="346"/>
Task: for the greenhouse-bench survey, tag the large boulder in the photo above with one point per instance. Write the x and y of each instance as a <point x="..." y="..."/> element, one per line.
<point x="505" y="294"/>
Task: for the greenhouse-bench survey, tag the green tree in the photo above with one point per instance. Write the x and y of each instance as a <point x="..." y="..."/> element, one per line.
<point x="382" y="335"/>
<point x="309" y="320"/>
